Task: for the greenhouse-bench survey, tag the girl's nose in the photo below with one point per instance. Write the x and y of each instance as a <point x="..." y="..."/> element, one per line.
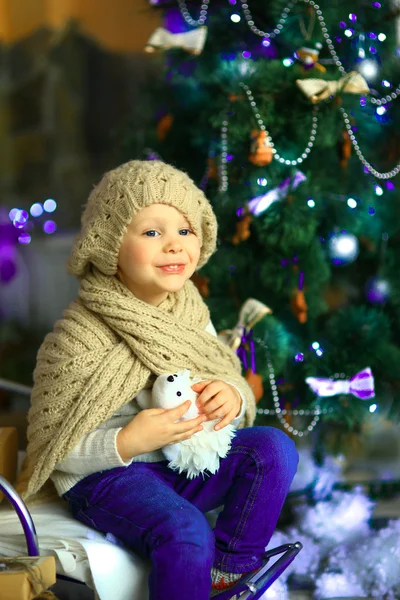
<point x="173" y="245"/>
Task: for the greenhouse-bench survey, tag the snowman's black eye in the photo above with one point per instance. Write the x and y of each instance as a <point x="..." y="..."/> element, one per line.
<point x="175" y="375"/>
<point x="179" y="393"/>
<point x="170" y="378"/>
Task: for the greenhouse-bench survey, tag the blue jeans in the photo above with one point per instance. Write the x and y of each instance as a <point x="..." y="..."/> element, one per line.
<point x="159" y="513"/>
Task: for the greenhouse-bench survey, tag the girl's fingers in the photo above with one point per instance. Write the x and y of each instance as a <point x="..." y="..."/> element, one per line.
<point x="209" y="392"/>
<point x="199" y="387"/>
<point x="225" y="421"/>
<point x="186" y="426"/>
<point x="212" y="406"/>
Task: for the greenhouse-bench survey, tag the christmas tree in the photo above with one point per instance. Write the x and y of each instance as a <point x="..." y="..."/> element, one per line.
<point x="287" y="115"/>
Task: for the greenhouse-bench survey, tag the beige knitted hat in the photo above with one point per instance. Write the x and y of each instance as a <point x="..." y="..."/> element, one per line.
<point x="120" y="194"/>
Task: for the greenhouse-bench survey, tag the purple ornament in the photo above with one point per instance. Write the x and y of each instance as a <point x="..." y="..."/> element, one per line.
<point x="377" y="290"/>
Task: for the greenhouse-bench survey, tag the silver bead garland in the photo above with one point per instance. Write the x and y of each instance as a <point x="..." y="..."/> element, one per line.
<point x="328" y="39"/>
<point x="250" y="22"/>
<point x="223" y="171"/>
<point x="280" y="412"/>
<point x="265" y="34"/>
<point x="360" y="155"/>
<point x="261" y="124"/>
<point x="186" y="15"/>
<point x="278" y="29"/>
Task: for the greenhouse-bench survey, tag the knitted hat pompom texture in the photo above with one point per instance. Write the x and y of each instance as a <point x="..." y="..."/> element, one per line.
<point x="120" y="195"/>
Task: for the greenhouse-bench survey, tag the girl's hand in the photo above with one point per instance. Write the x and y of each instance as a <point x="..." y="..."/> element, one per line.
<point x="218" y="400"/>
<point x="153" y="428"/>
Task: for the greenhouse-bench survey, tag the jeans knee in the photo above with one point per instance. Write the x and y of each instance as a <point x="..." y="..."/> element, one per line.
<point x="190" y="528"/>
<point x="270" y="443"/>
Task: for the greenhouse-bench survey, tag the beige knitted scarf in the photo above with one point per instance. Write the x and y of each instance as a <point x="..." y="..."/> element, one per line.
<point x="106" y="348"/>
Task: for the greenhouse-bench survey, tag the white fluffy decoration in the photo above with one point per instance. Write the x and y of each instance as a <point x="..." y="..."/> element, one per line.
<point x="341" y="554"/>
<point x="277" y="591"/>
<point x="374" y="560"/>
<point x="306" y="471"/>
<point x="337" y="585"/>
<point x="202" y="452"/>
<point x="343" y="518"/>
<point x="306" y="562"/>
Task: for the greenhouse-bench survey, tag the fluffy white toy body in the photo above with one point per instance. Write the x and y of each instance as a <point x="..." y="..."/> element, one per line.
<point x="200" y="453"/>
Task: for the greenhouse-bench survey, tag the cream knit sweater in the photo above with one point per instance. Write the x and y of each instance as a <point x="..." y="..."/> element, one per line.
<point x="97" y="450"/>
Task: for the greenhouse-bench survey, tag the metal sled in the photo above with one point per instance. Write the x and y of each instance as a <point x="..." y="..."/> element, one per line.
<point x="250" y="587"/>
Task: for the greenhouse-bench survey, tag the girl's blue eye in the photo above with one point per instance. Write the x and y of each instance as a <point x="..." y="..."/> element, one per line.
<point x="188" y="231"/>
<point x="150" y="233"/>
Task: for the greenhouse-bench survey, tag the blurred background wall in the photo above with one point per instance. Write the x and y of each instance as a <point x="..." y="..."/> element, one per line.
<point x="73" y="80"/>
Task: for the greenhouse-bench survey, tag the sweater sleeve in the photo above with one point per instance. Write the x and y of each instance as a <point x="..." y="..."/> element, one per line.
<point x="96" y="451"/>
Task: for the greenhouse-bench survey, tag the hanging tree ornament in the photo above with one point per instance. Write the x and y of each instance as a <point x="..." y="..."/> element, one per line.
<point x="361" y="385"/>
<point x="317" y="90"/>
<point x="377" y="290"/>
<point x="163" y="126"/>
<point x="261" y="124"/>
<point x="191" y="41"/>
<point x="343" y="248"/>
<point x="261" y="152"/>
<point x="259" y="204"/>
<point x="242" y="229"/>
<point x="298" y="301"/>
<point x="240" y="339"/>
<point x="344" y="149"/>
<point x="309" y="55"/>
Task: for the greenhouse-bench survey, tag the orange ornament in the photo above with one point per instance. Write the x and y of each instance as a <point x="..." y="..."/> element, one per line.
<point x="255" y="382"/>
<point x="201" y="282"/>
<point x="299" y="305"/>
<point x="260" y="150"/>
<point x="212" y="171"/>
<point x="242" y="230"/>
<point x="163" y="126"/>
<point x="344" y="149"/>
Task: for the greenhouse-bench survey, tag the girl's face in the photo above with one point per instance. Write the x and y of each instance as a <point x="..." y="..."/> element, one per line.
<point x="159" y="252"/>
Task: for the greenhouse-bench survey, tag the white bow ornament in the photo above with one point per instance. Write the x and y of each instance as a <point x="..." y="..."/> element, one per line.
<point x="192" y="41"/>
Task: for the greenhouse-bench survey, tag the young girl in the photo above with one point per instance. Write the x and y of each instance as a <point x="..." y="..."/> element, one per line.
<point x="145" y="231"/>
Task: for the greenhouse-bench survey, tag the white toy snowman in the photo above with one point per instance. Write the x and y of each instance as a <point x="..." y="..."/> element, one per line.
<point x="203" y="450"/>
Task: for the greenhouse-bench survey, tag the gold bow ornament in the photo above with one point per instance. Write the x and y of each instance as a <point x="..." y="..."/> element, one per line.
<point x="317" y="90"/>
<point x="192" y="41"/>
<point x="251" y="312"/>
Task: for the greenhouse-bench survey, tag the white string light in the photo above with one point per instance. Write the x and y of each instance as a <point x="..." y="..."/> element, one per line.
<point x="281" y="413"/>
<point x="261" y="124"/>
<point x="360" y="155"/>
<point x="186" y="15"/>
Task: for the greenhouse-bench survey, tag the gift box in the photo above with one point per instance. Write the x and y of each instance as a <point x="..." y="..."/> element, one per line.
<point x="8" y="454"/>
<point x="25" y="577"/>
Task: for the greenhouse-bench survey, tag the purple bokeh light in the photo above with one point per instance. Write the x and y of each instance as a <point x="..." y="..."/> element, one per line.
<point x="49" y="227"/>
